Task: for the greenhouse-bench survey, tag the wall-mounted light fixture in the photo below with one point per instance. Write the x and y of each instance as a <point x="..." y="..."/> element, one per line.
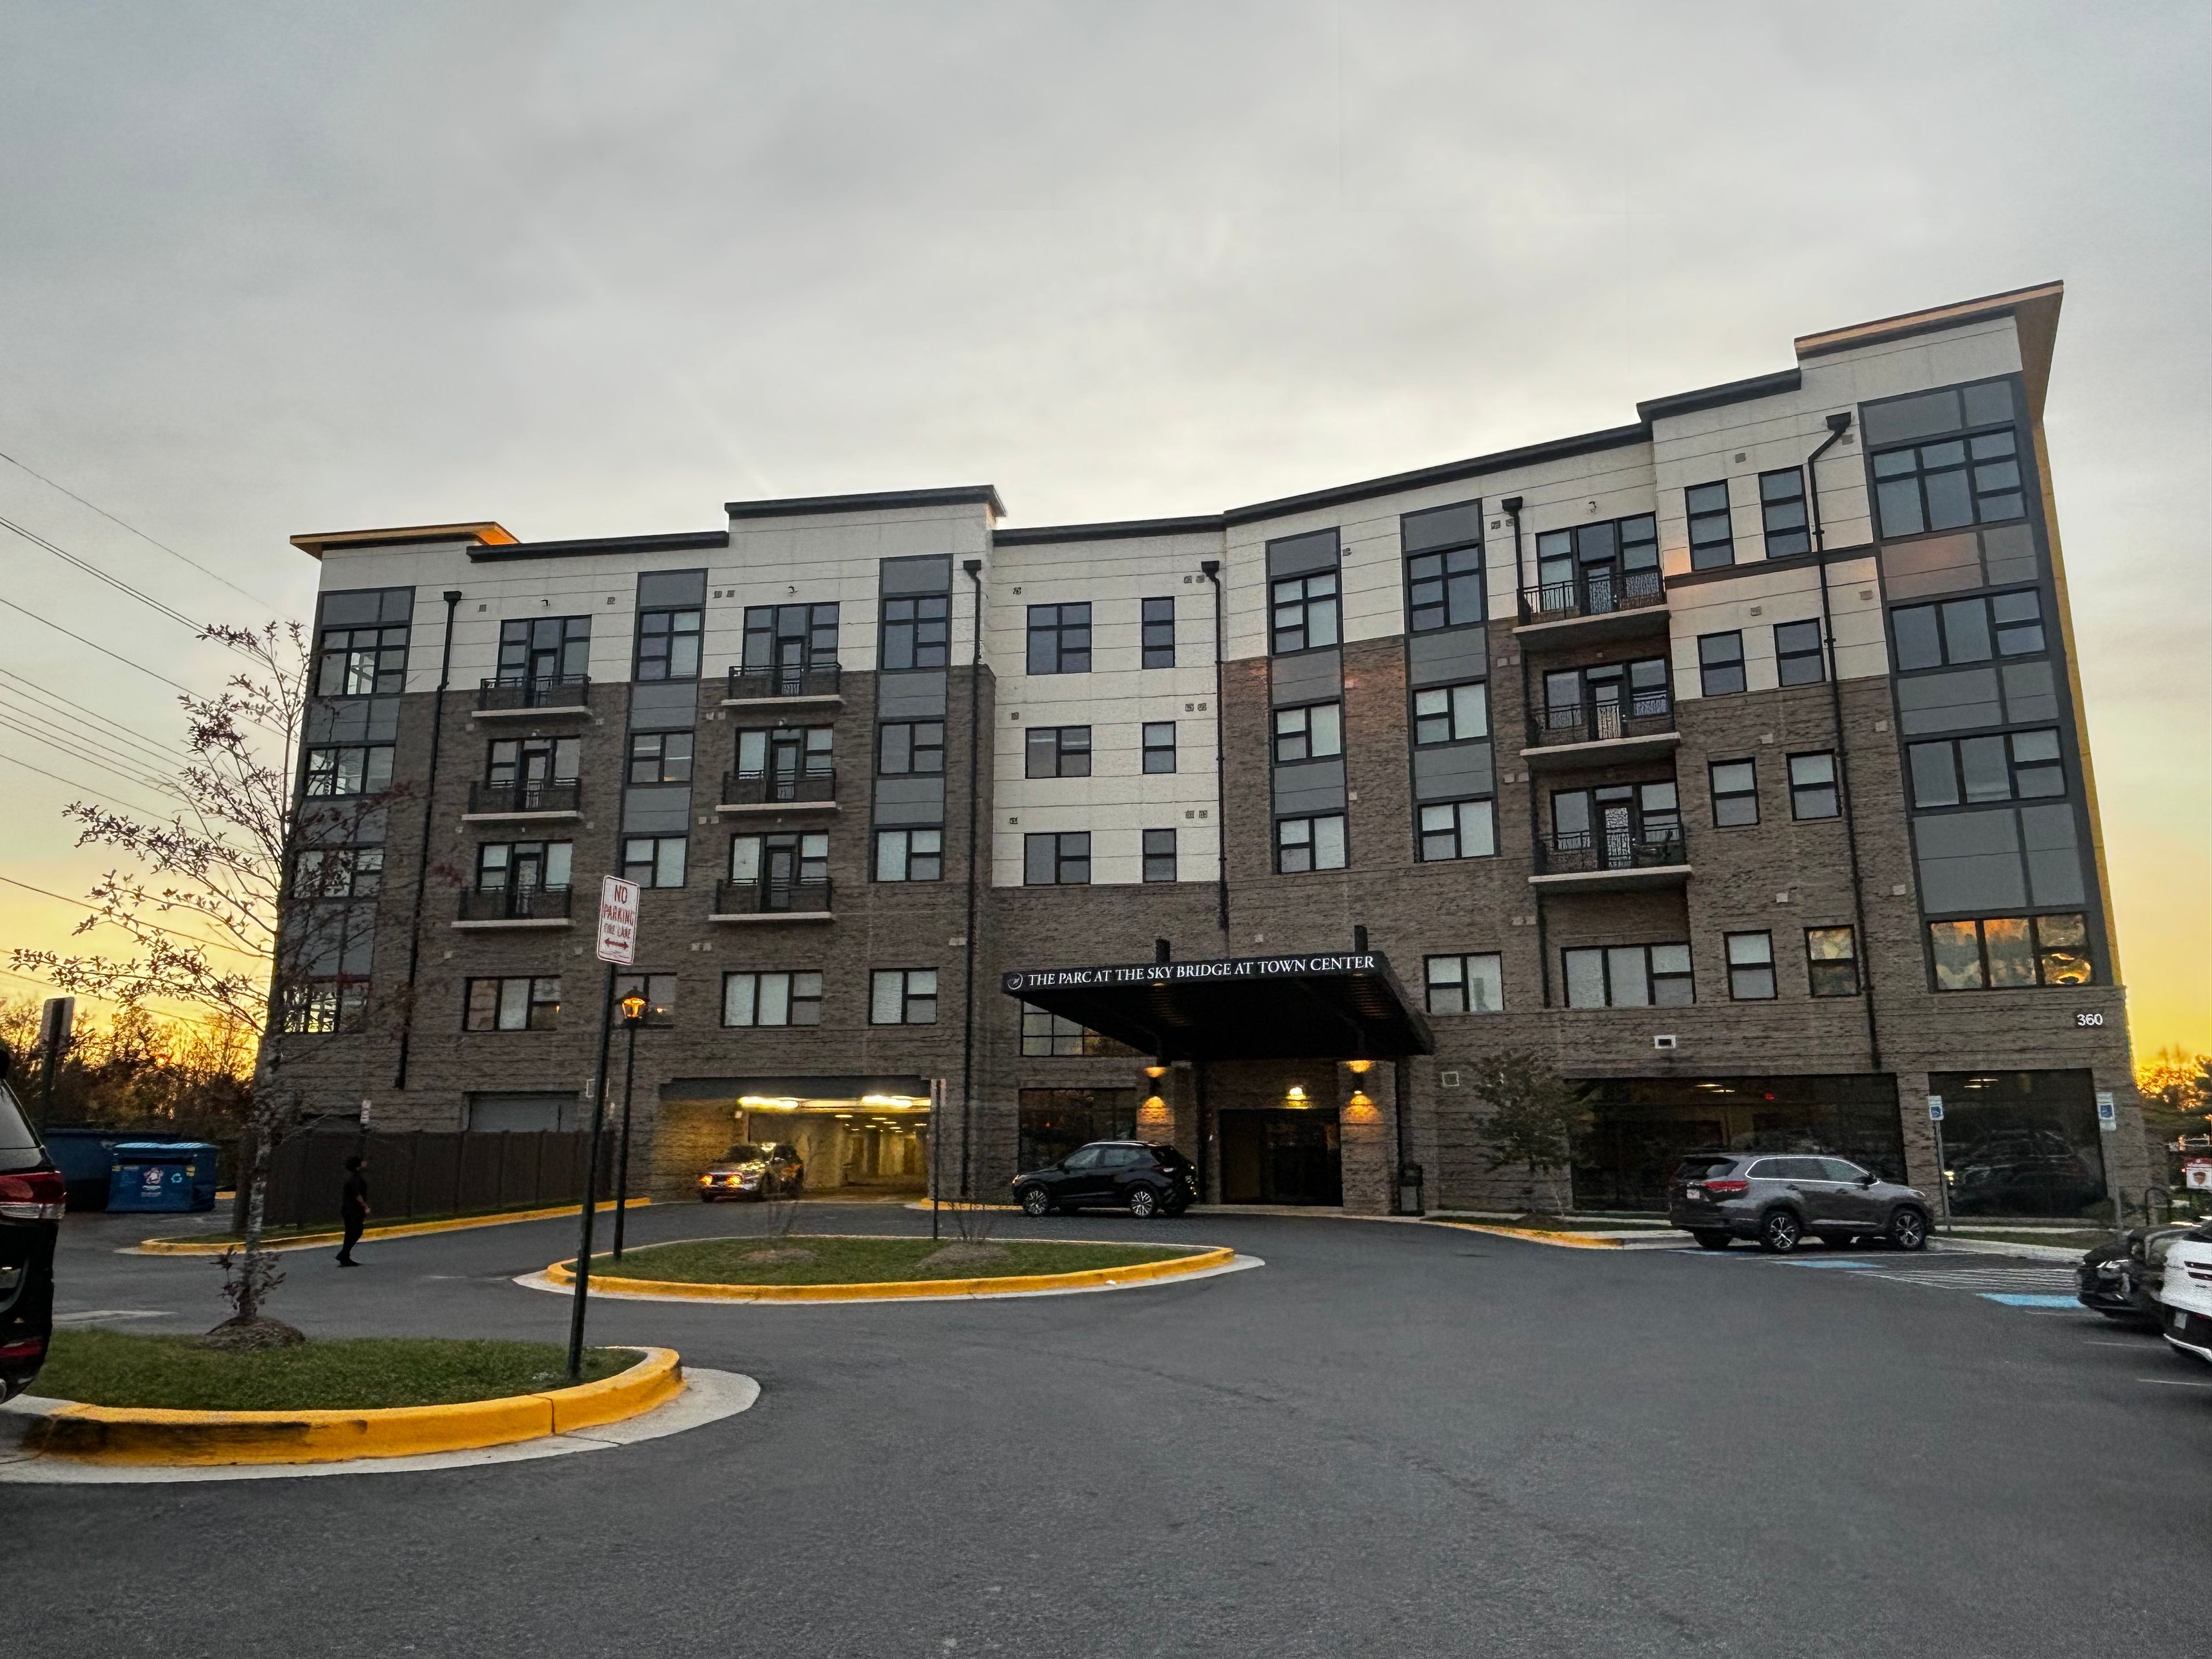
<point x="1358" y="1068"/>
<point x="1155" y="1070"/>
<point x="1297" y="1095"/>
<point x="1154" y="1110"/>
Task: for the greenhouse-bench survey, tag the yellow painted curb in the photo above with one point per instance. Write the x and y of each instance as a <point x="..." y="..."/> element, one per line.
<point x="122" y="1434"/>
<point x="1089" y="1278"/>
<point x="1537" y="1236"/>
<point x="397" y="1230"/>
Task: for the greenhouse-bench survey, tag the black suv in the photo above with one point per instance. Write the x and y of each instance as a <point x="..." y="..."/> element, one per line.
<point x="1141" y="1177"/>
<point x="32" y="1195"/>
<point x="1718" y="1197"/>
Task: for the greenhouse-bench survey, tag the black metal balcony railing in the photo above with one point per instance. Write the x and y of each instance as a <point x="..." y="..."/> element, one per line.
<point x="524" y="903"/>
<point x="773" y="788"/>
<point x="545" y="691"/>
<point x="1584" y="852"/>
<point x="528" y="795"/>
<point x="1593" y="593"/>
<point x="817" y="680"/>
<point x="760" y="898"/>
<point x="1646" y="714"/>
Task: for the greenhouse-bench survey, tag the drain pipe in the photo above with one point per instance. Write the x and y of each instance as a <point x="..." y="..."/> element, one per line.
<point x="1838" y="424"/>
<point x="1210" y="569"/>
<point x="1512" y="506"/>
<point x="975" y="569"/>
<point x="452" y="597"/>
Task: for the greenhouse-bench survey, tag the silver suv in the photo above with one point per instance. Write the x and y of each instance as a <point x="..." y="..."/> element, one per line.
<point x="1781" y="1201"/>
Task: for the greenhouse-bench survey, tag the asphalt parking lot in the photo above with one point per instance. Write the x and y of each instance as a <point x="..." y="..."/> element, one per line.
<point x="1394" y="1438"/>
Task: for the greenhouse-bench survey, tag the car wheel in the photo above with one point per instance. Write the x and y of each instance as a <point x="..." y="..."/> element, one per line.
<point x="1144" y="1203"/>
<point x="1780" y="1232"/>
<point x="1709" y="1239"/>
<point x="1908" y="1231"/>
<point x="1035" y="1201"/>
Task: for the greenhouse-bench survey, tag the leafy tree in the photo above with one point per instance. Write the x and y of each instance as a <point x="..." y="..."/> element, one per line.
<point x="1534" y="1117"/>
<point x="2177" y="1093"/>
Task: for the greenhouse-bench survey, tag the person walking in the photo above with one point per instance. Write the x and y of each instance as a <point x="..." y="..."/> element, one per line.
<point x="353" y="1209"/>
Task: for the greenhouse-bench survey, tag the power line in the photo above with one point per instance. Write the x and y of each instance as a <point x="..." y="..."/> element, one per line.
<point x="98" y="575"/>
<point x="48" y="985"/>
<point x="143" y="756"/>
<point x="98" y="794"/>
<point x="210" y="943"/>
<point x="102" y="649"/>
<point x="99" y="756"/>
<point x="33" y="689"/>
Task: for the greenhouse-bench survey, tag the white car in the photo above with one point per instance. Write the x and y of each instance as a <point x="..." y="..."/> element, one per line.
<point x="2186" y="1293"/>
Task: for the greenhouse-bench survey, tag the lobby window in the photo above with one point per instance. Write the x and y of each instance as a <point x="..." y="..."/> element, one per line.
<point x="1304" y="614"/>
<point x="917" y="631"/>
<point x="1781" y="512"/>
<point x="1160" y="746"/>
<point x="1736" y="794"/>
<point x="653" y="860"/>
<point x="1060" y="638"/>
<point x="1056" y="1036"/>
<point x="1458" y="829"/>
<point x="513" y="1005"/>
<point x="1949" y="483"/>
<point x="1056" y="858"/>
<point x="1309" y="843"/>
<point x="904" y="748"/>
<point x="1720" y="664"/>
<point x="1628" y="977"/>
<point x="522" y="864"/>
<point x="903" y="996"/>
<point x="533" y="760"/>
<point x="658" y="991"/>
<point x="791" y="637"/>
<point x="1313" y="733"/>
<point x="1750" y="967"/>
<point x="660" y="757"/>
<point x="1813" y="787"/>
<point x="670" y="616"/>
<point x="1159" y="855"/>
<point x="1444" y="566"/>
<point x="1968" y="630"/>
<point x="778" y="999"/>
<point x="1451" y="713"/>
<point x="1967" y="771"/>
<point x="348" y="770"/>
<point x="1832" y="961"/>
<point x="2005" y="952"/>
<point x="1056" y="751"/>
<point x="1466" y="985"/>
<point x="332" y="873"/>
<point x="1713" y="539"/>
<point x="1797" y="659"/>
<point x="909" y="854"/>
<point x="1158" y="629"/>
<point x="536" y="649"/>
<point x="369" y="660"/>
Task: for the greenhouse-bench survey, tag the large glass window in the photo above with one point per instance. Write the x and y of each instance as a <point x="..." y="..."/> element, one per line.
<point x="1056" y="751"/>
<point x="1968" y="630"/>
<point x="903" y="996"/>
<point x="1750" y="967"/>
<point x="1060" y="638"/>
<point x="1304" y="615"/>
<point x="328" y="873"/>
<point x="1158" y="632"/>
<point x="517" y="866"/>
<point x="1159" y="737"/>
<point x="1444" y="566"/>
<point x="1599" y="568"/>
<point x="1056" y="858"/>
<point x="2004" y="766"/>
<point x="1781" y="512"/>
<point x="905" y="747"/>
<point x="653" y="860"/>
<point x="2000" y="953"/>
<point x="909" y="854"/>
<point x="668" y="643"/>
<point x="918" y="631"/>
<point x="1458" y="829"/>
<point x="1055" y="1035"/>
<point x="533" y="760"/>
<point x="1736" y="794"/>
<point x="1797" y="659"/>
<point x="1451" y="713"/>
<point x="513" y="1004"/>
<point x="1313" y="733"/>
<point x="1628" y="977"/>
<point x="774" y="998"/>
<point x="1713" y="539"/>
<point x="660" y="757"/>
<point x="1597" y="702"/>
<point x="792" y="637"/>
<point x="1813" y="791"/>
<point x="361" y="662"/>
<point x="1159" y="855"/>
<point x="533" y="649"/>
<point x="780" y="860"/>
<point x="786" y="753"/>
<point x="1949" y="483"/>
<point x="1466" y="984"/>
<point x="1309" y="843"/>
<point x="350" y="769"/>
<point x="1720" y="664"/>
<point x="1832" y="961"/>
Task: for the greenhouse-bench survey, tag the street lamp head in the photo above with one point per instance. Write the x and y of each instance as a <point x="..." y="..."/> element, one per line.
<point x="633" y="1009"/>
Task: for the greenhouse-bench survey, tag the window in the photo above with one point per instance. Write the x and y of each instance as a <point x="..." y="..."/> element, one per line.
<point x="1314" y="843"/>
<point x="361" y="662"/>
<point x="917" y="631"/>
<point x="1444" y="566"/>
<point x="1617" y="826"/>
<point x="537" y="648"/>
<point x="1458" y="829"/>
<point x="1451" y="713"/>
<point x="780" y="860"/>
<point x="1060" y="638"/>
<point x="1160" y="746"/>
<point x="1781" y="512"/>
<point x="1055" y="1035"/>
<point x="327" y="872"/>
<point x="1832" y="961"/>
<point x="791" y="637"/>
<point x="1736" y="794"/>
<point x="1720" y="664"/>
<point x="658" y="991"/>
<point x="533" y="760"/>
<point x="909" y="854"/>
<point x="1305" y="612"/>
<point x="786" y="754"/>
<point x="350" y="769"/>
<point x="903" y="996"/>
<point x="1057" y="752"/>
<point x="1061" y="859"/>
<point x="908" y="747"/>
<point x="1629" y="976"/>
<point x="653" y="860"/>
<point x="1750" y="967"/>
<point x="1968" y="630"/>
<point x="1159" y="629"/>
<point x="323" y="1006"/>
<point x="1466" y="985"/>
<point x="1313" y="733"/>
<point x="660" y="757"/>
<point x="668" y="643"/>
<point x="1159" y="855"/>
<point x="1813" y="787"/>
<point x="513" y="1005"/>
<point x="1949" y="483"/>
<point x="1595" y="567"/>
<point x="1594" y="703"/>
<point x="1712" y="540"/>
<point x="519" y="865"/>
<point x="780" y="999"/>
<point x="1797" y="659"/>
<point x="2005" y="952"/>
<point x="2019" y="765"/>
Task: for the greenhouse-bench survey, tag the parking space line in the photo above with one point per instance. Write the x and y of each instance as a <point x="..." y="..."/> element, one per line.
<point x="2172" y="1382"/>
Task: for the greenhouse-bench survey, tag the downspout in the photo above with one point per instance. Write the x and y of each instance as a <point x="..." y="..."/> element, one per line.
<point x="975" y="569"/>
<point x="1512" y="506"/>
<point x="452" y="597"/>
<point x="1212" y="570"/>
<point x="1839" y="424"/>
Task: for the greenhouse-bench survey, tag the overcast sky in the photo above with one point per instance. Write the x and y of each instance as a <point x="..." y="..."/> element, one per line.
<point x="595" y="269"/>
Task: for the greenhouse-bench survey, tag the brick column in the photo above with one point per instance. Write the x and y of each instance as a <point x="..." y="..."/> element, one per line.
<point x="1366" y="1138"/>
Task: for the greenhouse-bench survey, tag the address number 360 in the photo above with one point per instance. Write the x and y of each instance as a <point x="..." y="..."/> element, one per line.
<point x="2088" y="1020"/>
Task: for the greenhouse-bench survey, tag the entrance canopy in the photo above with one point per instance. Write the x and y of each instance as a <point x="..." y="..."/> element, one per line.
<point x="1321" y="1007"/>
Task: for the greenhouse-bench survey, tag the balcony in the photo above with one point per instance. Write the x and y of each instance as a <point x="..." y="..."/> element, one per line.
<point x="1612" y="862"/>
<point x="535" y="798"/>
<point x="521" y="697"/>
<point x="1599" y="733"/>
<point x="484" y="908"/>
<point x="815" y="685"/>
<point x="771" y="900"/>
<point x="1598" y="604"/>
<point x="749" y="792"/>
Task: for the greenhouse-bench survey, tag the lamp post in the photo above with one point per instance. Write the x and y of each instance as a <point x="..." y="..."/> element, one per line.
<point x="633" y="1016"/>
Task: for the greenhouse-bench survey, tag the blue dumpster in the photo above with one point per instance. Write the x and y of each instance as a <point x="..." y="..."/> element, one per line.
<point x="147" y="1174"/>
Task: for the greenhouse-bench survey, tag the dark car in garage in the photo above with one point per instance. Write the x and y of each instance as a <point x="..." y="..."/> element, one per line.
<point x="1782" y="1201"/>
<point x="1142" y="1177"/>
<point x="32" y="1198"/>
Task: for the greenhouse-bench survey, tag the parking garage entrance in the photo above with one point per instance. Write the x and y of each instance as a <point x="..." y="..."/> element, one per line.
<point x="861" y="1137"/>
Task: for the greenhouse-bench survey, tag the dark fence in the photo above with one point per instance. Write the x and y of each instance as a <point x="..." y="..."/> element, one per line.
<point x="428" y="1173"/>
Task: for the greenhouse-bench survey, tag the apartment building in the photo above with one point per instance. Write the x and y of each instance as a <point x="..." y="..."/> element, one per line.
<point x="1729" y="760"/>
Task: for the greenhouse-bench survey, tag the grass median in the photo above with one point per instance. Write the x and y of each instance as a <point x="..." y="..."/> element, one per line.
<point x="172" y="1373"/>
<point x="813" y="1258"/>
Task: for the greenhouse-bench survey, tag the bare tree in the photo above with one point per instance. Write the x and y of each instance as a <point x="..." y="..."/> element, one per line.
<point x="1534" y="1117"/>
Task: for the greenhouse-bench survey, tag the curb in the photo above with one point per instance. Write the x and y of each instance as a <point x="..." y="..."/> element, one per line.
<point x="397" y="1230"/>
<point x="904" y="1289"/>
<point x="1537" y="1236"/>
<point x="122" y="1434"/>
